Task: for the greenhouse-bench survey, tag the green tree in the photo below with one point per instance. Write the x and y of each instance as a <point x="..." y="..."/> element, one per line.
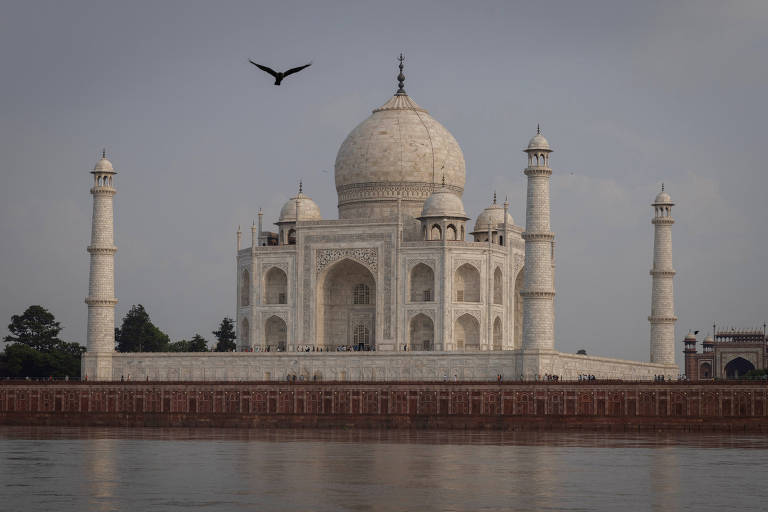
<point x="138" y="334"/>
<point x="225" y="336"/>
<point x="179" y="346"/>
<point x="36" y="328"/>
<point x="198" y="344"/>
<point x="36" y="350"/>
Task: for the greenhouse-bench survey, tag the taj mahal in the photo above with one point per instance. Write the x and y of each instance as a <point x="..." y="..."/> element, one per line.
<point x="402" y="286"/>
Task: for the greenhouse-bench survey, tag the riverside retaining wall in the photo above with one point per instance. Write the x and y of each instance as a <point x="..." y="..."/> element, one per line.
<point x="721" y="406"/>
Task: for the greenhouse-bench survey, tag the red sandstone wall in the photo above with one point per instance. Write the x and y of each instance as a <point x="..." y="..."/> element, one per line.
<point x="511" y="405"/>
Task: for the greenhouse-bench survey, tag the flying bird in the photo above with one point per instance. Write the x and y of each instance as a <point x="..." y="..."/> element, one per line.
<point x="279" y="75"/>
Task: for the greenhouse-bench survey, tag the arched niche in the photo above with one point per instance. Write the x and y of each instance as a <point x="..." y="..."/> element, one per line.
<point x="245" y="287"/>
<point x="466" y="333"/>
<point x="276" y="333"/>
<point x="518" y="310"/>
<point x="705" y="371"/>
<point x="275" y="286"/>
<point x="421" y="333"/>
<point x="498" y="286"/>
<point x="466" y="284"/>
<point x="498" y="333"/>
<point x="346" y="300"/>
<point x="737" y="367"/>
<point x="422" y="283"/>
<point x="245" y="332"/>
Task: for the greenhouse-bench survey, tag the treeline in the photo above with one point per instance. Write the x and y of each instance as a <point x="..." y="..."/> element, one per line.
<point x="35" y="350"/>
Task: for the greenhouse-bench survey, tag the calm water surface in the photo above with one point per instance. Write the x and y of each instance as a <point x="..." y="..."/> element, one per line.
<point x="95" y="469"/>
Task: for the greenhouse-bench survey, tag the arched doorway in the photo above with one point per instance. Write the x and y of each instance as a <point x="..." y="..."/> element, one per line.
<point x="497" y="334"/>
<point x="518" y="310"/>
<point x="466" y="333"/>
<point x="245" y="288"/>
<point x="346" y="307"/>
<point x="422" y="283"/>
<point x="422" y="333"/>
<point x="245" y="332"/>
<point x="466" y="283"/>
<point x="275" y="287"/>
<point x="705" y="372"/>
<point x="498" y="287"/>
<point x="276" y="333"/>
<point x="737" y="368"/>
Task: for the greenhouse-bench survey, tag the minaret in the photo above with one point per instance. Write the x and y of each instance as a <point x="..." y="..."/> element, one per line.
<point x="539" y="288"/>
<point x="662" y="290"/>
<point x="101" y="282"/>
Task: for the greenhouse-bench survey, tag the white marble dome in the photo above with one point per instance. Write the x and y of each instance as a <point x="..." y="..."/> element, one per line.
<point x="308" y="209"/>
<point x="662" y="198"/>
<point x="103" y="165"/>
<point x="400" y="150"/>
<point x="492" y="217"/>
<point x="538" y="142"/>
<point x="443" y="203"/>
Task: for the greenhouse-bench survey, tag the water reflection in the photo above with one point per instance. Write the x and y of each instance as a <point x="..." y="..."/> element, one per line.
<point x="74" y="469"/>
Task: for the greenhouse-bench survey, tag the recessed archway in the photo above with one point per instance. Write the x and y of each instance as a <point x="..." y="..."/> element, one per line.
<point x="466" y="284"/>
<point x="245" y="332"/>
<point x="466" y="333"/>
<point x="275" y="286"/>
<point x="498" y="286"/>
<point x="422" y="333"/>
<point x="738" y="367"/>
<point x="346" y="306"/>
<point x="518" y="310"/>
<point x="497" y="334"/>
<point x="276" y="333"/>
<point x="245" y="288"/>
<point x="422" y="283"/>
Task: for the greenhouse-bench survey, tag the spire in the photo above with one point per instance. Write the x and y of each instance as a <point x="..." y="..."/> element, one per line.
<point x="494" y="197"/>
<point x="538" y="129"/>
<point x="401" y="77"/>
<point x="662" y="187"/>
<point x="443" y="180"/>
<point x="301" y="186"/>
<point x="104" y="153"/>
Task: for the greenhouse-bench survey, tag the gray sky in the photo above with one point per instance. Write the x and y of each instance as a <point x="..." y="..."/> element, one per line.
<point x="629" y="94"/>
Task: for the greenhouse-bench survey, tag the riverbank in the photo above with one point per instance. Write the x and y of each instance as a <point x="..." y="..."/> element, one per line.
<point x="586" y="405"/>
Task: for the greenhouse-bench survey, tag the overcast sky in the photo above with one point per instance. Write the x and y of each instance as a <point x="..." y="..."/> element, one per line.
<point x="629" y="94"/>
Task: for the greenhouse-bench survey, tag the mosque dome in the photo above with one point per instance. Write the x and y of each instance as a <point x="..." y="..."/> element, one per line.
<point x="538" y="142"/>
<point x="690" y="337"/>
<point x="493" y="218"/>
<point x="662" y="198"/>
<point x="709" y="340"/>
<point x="308" y="209"/>
<point x="399" y="151"/>
<point x="103" y="165"/>
<point x="443" y="203"/>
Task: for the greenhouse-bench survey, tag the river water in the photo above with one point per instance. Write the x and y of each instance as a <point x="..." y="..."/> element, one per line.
<point x="106" y="469"/>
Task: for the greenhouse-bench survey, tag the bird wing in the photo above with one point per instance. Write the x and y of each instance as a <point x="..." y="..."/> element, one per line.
<point x="296" y="70"/>
<point x="264" y="68"/>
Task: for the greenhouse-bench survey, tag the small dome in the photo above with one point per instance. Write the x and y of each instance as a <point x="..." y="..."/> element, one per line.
<point x="538" y="142"/>
<point x="492" y="217"/>
<point x="308" y="209"/>
<point x="709" y="340"/>
<point x="103" y="165"/>
<point x="662" y="198"/>
<point x="690" y="337"/>
<point x="443" y="203"/>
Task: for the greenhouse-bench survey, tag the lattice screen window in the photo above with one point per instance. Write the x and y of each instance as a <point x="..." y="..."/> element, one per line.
<point x="361" y="294"/>
<point x="361" y="335"/>
<point x="281" y="299"/>
<point x="427" y="295"/>
<point x="459" y="295"/>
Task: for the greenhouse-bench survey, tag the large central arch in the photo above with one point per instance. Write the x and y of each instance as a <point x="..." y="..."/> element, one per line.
<point x="346" y="306"/>
<point x="737" y="368"/>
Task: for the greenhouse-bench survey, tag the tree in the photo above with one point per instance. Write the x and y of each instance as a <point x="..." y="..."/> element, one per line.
<point x="36" y="328"/>
<point x="36" y="350"/>
<point x="138" y="334"/>
<point x="196" y="344"/>
<point x="225" y="336"/>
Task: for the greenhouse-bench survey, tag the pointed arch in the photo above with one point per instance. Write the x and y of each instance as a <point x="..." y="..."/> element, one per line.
<point x="422" y="283"/>
<point x="276" y="333"/>
<point x="436" y="233"/>
<point x="421" y="333"/>
<point x="275" y="286"/>
<point x="497" y="334"/>
<point x="518" y="310"/>
<point x="245" y="287"/>
<point x="245" y="332"/>
<point x="466" y="333"/>
<point x="466" y="284"/>
<point x="737" y="367"/>
<point x="498" y="286"/>
<point x="450" y="232"/>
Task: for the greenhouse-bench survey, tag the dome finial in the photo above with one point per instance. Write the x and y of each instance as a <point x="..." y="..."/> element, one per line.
<point x="401" y="76"/>
<point x="662" y="187"/>
<point x="538" y="129"/>
<point x="301" y="186"/>
<point x="494" y="197"/>
<point x="104" y="153"/>
<point x="443" y="179"/>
